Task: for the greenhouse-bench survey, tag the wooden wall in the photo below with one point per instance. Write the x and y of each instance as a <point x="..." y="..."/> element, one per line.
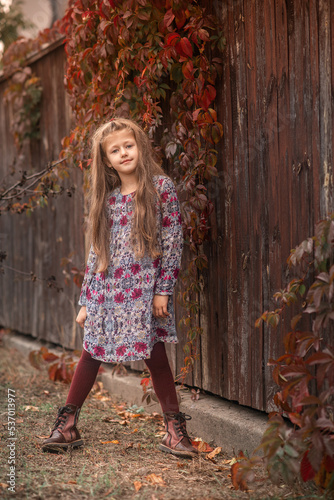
<point x="37" y="243"/>
<point x="275" y="181"/>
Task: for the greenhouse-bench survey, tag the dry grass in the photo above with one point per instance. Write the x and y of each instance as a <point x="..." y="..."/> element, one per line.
<point x="131" y="467"/>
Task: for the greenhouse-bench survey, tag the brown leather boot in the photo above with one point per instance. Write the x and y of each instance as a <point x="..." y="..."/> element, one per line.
<point x="64" y="432"/>
<point x="176" y="439"/>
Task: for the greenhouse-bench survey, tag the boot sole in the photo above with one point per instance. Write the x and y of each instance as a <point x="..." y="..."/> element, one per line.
<point x="61" y="447"/>
<point x="185" y="454"/>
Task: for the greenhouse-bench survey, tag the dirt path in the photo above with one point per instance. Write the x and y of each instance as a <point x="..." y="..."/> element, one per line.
<point x="120" y="458"/>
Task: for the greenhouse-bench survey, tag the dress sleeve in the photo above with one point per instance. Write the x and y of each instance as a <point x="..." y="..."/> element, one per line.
<point x="88" y="275"/>
<point x="171" y="238"/>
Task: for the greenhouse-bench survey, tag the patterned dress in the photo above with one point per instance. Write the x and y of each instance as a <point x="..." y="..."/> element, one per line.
<point x="120" y="325"/>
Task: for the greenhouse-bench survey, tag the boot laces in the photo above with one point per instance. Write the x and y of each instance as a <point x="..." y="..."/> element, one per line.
<point x="61" y="417"/>
<point x="181" y="423"/>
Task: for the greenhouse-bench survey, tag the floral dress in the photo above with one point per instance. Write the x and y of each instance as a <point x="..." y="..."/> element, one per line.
<point x="120" y="325"/>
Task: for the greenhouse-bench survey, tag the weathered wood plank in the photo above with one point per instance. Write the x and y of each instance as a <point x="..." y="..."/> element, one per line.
<point x="39" y="242"/>
<point x="326" y="109"/>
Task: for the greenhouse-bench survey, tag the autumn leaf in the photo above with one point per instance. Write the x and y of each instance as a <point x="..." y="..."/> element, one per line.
<point x="184" y="48"/>
<point x="306" y="469"/>
<point x="173" y="38"/>
<point x="154" y="479"/>
<point x="201" y="445"/>
<point x="214" y="453"/>
<point x="137" y="485"/>
<point x="236" y="477"/>
<point x="31" y="408"/>
<point x="168" y="18"/>
<point x="49" y="356"/>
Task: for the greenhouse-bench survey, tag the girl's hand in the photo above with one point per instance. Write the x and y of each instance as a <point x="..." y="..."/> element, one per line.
<point x="81" y="318"/>
<point x="160" y="306"/>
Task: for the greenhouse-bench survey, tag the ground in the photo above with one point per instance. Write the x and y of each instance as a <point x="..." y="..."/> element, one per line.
<point x="120" y="458"/>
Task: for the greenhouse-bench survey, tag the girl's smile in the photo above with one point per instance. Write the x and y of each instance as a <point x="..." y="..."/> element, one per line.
<point x="122" y="153"/>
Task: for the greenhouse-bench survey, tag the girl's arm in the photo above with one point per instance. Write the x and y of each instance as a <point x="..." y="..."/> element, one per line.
<point x="81" y="318"/>
<point x="160" y="304"/>
<point x="171" y="238"/>
<point x="88" y="275"/>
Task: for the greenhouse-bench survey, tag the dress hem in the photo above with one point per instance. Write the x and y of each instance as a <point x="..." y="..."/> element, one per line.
<point x="138" y="357"/>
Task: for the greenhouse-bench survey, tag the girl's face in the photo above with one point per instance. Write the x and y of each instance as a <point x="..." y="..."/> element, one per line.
<point x="122" y="152"/>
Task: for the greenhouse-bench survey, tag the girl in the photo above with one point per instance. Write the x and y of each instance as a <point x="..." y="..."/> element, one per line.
<point x="126" y="296"/>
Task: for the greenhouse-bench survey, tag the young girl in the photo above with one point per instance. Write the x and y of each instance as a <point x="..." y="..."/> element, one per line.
<point x="127" y="293"/>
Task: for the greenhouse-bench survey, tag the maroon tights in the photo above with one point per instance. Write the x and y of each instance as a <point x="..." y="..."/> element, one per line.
<point x="162" y="378"/>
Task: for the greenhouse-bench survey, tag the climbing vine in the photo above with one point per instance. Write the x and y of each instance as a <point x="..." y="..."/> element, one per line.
<point x="24" y="93"/>
<point x="304" y="375"/>
<point x="23" y="97"/>
<point x="158" y="62"/>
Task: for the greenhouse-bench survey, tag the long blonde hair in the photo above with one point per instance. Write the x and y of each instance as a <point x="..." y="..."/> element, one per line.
<point x="104" y="179"/>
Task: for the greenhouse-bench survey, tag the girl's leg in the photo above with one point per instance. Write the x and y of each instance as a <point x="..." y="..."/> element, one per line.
<point x="162" y="378"/>
<point x="65" y="432"/>
<point x="83" y="379"/>
<point x="176" y="439"/>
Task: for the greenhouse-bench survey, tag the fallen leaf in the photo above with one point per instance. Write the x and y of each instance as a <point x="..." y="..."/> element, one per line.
<point x="137" y="485"/>
<point x="134" y="430"/>
<point x="4" y="485"/>
<point x="124" y="422"/>
<point x="19" y="421"/>
<point x="154" y="479"/>
<point x="71" y="482"/>
<point x="32" y="408"/>
<point x="214" y="453"/>
<point x="195" y="394"/>
<point x="101" y="398"/>
<point x="201" y="445"/>
<point x="237" y="481"/>
<point x="42" y="437"/>
<point x="108" y="442"/>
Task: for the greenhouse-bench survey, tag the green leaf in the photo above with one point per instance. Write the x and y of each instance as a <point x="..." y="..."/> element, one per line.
<point x="176" y="73"/>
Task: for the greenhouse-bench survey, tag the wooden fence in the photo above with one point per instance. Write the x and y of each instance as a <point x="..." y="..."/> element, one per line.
<point x="275" y="181"/>
<point x="37" y="243"/>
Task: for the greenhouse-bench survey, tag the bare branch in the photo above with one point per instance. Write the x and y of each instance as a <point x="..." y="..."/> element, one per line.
<point x="51" y="281"/>
<point x="37" y="176"/>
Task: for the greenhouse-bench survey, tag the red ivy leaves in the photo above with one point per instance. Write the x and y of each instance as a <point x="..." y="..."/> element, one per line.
<point x="182" y="45"/>
<point x="305" y="373"/>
